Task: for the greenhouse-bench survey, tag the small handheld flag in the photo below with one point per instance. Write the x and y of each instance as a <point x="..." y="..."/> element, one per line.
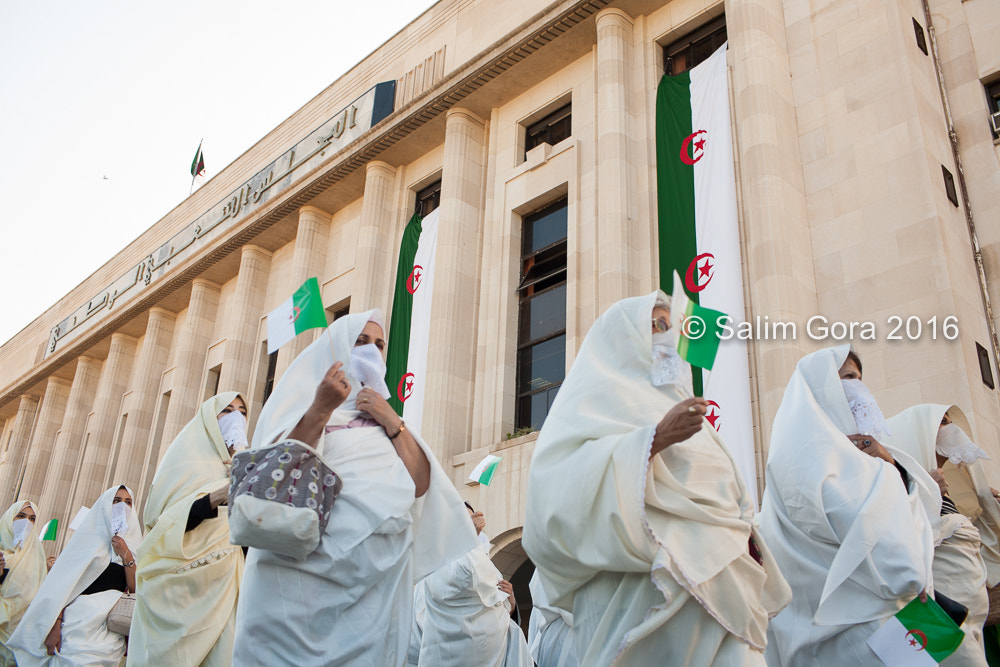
<point x="81" y="514"/>
<point x="483" y="472"/>
<point x="698" y="328"/>
<point x="49" y="531"/>
<point x="299" y="312"/>
<point x="921" y="633"/>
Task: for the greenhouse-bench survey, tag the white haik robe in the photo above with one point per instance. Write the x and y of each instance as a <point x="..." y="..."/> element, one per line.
<point x="550" y="630"/>
<point x="650" y="556"/>
<point x="959" y="570"/>
<point x="86" y="640"/>
<point x="853" y="543"/>
<point x="25" y="565"/>
<point x="461" y="617"/>
<point x="350" y="602"/>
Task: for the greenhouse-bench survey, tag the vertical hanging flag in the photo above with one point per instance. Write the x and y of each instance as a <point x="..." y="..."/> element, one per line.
<point x="49" y="531"/>
<point x="198" y="167"/>
<point x="699" y="235"/>
<point x="919" y="634"/>
<point x="406" y="365"/>
<point x="302" y="310"/>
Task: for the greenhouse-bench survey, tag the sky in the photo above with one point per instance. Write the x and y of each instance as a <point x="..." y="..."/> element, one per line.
<point x="103" y="103"/>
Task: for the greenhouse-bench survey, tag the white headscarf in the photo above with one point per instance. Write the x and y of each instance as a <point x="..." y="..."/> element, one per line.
<point x="433" y="547"/>
<point x="87" y="554"/>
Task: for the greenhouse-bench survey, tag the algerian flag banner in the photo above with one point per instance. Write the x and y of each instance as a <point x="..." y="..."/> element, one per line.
<point x="406" y="365"/>
<point x="697" y="328"/>
<point x="303" y="310"/>
<point x="699" y="236"/>
<point x="919" y="634"/>
<point x="483" y="472"/>
<point x="49" y="531"/>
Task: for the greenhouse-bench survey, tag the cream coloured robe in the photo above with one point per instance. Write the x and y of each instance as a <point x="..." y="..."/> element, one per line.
<point x="350" y="602"/>
<point x="854" y="544"/>
<point x="959" y="570"/>
<point x="86" y="640"/>
<point x="25" y="570"/>
<point x="461" y="616"/>
<point x="650" y="556"/>
<point x="187" y="582"/>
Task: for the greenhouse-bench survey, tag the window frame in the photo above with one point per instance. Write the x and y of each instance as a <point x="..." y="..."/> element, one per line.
<point x="696" y="38"/>
<point x="542" y="129"/>
<point x="431" y="195"/>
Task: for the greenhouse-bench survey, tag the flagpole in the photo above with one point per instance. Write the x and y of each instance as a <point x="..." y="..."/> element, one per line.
<point x="195" y="174"/>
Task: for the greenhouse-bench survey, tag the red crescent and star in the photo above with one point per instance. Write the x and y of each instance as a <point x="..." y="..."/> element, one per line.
<point x="405" y="387"/>
<point x="917" y="636"/>
<point x="703" y="263"/>
<point x="294" y="315"/>
<point x="714" y="415"/>
<point x="688" y="156"/>
<point x="413" y="281"/>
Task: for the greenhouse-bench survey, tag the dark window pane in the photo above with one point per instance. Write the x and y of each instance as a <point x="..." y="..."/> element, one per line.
<point x="543" y="270"/>
<point x="545" y="229"/>
<point x="542" y="315"/>
<point x="428" y="199"/>
<point x="694" y="49"/>
<point x="532" y="410"/>
<point x="541" y="365"/>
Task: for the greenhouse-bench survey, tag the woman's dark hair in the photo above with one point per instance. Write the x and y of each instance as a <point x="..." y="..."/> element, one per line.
<point x="853" y="356"/>
<point x="121" y="487"/>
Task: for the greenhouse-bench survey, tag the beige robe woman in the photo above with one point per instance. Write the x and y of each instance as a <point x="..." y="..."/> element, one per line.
<point x="187" y="582"/>
<point x="650" y="556"/>
<point x="25" y="565"/>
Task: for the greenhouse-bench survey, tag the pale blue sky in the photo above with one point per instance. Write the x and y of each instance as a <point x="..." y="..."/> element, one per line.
<point x="95" y="88"/>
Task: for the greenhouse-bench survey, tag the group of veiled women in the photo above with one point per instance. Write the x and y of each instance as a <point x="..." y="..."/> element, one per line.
<point x="646" y="544"/>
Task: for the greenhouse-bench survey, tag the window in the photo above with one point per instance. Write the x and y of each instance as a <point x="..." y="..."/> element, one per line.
<point x="685" y="53"/>
<point x="428" y="199"/>
<point x="212" y="382"/>
<point x="984" y="366"/>
<point x="541" y="322"/>
<point x="272" y="367"/>
<point x="550" y="130"/>
<point x="918" y="31"/>
<point x="949" y="185"/>
<point x="993" y="101"/>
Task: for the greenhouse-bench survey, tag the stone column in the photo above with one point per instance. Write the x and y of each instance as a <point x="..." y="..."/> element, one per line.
<point x="61" y="467"/>
<point x="147" y="374"/>
<point x="447" y="422"/>
<point x="50" y="417"/>
<point x="16" y="449"/>
<point x="243" y="319"/>
<point x="371" y="286"/>
<point x="93" y="471"/>
<point x="308" y="260"/>
<point x="187" y="390"/>
<point x="615" y="178"/>
<point x="777" y="245"/>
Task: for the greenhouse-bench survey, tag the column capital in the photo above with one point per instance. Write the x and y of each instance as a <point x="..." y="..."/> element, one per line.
<point x="118" y="338"/>
<point x="250" y="250"/>
<point x="161" y="313"/>
<point x="612" y="17"/>
<point x="379" y="168"/>
<point x="205" y="284"/>
<point x="462" y="115"/>
<point x="57" y="381"/>
<point x="311" y="212"/>
<point x="27" y="399"/>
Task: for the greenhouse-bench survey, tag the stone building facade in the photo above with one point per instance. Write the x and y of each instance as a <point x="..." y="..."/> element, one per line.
<point x="868" y="180"/>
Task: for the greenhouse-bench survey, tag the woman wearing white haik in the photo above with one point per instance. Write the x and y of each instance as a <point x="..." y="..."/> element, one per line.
<point x="67" y="622"/>
<point x="637" y="517"/>
<point x="928" y="433"/>
<point x="850" y="521"/>
<point x="188" y="578"/>
<point x="23" y="568"/>
<point x="398" y="517"/>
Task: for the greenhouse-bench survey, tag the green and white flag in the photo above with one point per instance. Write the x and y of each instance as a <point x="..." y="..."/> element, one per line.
<point x="49" y="531"/>
<point x="919" y="634"/>
<point x="406" y="361"/>
<point x="484" y="470"/>
<point x="699" y="235"/>
<point x="302" y="310"/>
<point x="697" y="328"/>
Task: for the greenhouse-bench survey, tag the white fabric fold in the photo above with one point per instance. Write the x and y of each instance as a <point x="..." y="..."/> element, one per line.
<point x="550" y="630"/>
<point x="351" y="600"/>
<point x="853" y="542"/>
<point x="86" y="640"/>
<point x="642" y="552"/>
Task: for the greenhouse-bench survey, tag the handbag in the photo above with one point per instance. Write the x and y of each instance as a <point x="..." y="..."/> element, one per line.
<point x="280" y="497"/>
<point x="120" y="616"/>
